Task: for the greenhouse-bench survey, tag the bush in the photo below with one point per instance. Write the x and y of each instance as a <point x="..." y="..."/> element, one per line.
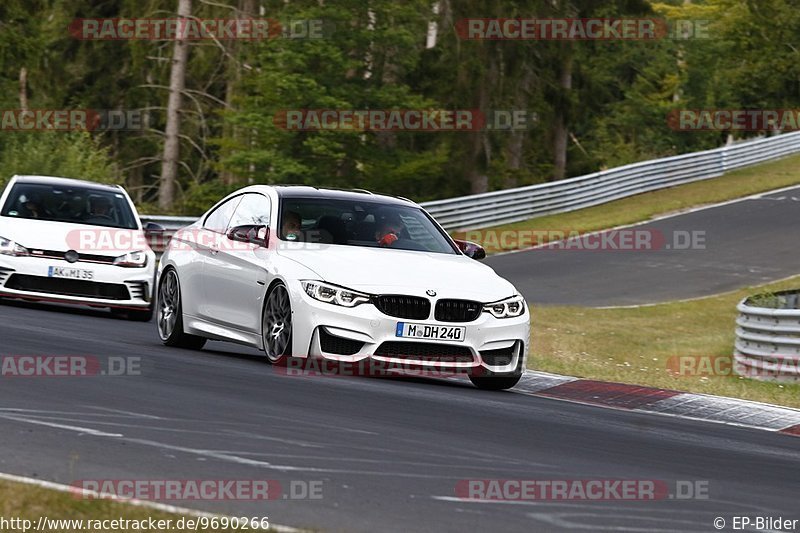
<point x="70" y="155"/>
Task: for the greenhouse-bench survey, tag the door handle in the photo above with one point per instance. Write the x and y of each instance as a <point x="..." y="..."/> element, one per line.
<point x="214" y="251"/>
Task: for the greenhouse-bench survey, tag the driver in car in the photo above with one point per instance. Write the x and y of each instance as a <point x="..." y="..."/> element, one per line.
<point x="99" y="209"/>
<point x="389" y="230"/>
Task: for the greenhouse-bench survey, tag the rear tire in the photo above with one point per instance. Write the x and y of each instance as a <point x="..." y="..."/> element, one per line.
<point x="170" y="314"/>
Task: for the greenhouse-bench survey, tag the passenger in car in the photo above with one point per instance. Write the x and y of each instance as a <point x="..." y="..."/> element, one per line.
<point x="291" y="228"/>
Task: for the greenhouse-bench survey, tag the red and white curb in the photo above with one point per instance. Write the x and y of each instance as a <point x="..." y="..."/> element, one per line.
<point x="638" y="398"/>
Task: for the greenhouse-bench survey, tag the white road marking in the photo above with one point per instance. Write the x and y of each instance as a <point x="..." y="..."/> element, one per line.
<point x="133" y="501"/>
<point x="85" y="431"/>
<point x="244" y="434"/>
<point x="131" y="413"/>
<point x="556" y="520"/>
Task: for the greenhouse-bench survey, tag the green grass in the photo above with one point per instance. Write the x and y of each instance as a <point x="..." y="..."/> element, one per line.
<point x="634" y="345"/>
<point x="19" y="500"/>
<point x="769" y="176"/>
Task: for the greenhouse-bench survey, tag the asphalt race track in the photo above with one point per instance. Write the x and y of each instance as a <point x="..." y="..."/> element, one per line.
<point x="748" y="242"/>
<point x="388" y="452"/>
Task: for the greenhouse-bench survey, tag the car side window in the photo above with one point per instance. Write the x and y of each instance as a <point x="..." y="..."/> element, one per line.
<point x="254" y="209"/>
<point x="218" y="220"/>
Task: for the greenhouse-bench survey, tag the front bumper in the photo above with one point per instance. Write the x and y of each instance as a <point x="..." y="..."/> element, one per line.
<point x="111" y="286"/>
<point x="499" y="346"/>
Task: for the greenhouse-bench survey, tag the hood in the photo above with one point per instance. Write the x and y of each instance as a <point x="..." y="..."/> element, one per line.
<point x="61" y="237"/>
<point x="385" y="271"/>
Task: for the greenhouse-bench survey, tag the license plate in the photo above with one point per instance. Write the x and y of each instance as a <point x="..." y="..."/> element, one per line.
<point x="427" y="331"/>
<point x="69" y="273"/>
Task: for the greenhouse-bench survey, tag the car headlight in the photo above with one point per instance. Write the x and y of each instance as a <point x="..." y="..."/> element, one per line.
<point x="325" y="292"/>
<point x="9" y="247"/>
<point x="132" y="260"/>
<point x="508" y="308"/>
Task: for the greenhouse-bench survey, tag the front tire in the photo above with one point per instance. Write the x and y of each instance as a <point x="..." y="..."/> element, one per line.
<point x="276" y="324"/>
<point x="170" y="314"/>
<point x="488" y="380"/>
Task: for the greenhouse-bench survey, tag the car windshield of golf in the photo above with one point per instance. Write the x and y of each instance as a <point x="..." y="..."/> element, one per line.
<point x="370" y="224"/>
<point x="74" y="205"/>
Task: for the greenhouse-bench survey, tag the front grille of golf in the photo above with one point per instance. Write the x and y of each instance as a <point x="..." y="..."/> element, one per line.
<point x="425" y="351"/>
<point x="400" y="306"/>
<point x="499" y="357"/>
<point x="338" y="345"/>
<point x="68" y="287"/>
<point x="457" y="310"/>
<point x="86" y="258"/>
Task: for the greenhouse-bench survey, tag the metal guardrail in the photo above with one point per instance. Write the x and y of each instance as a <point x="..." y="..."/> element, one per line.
<point x="514" y="205"/>
<point x="767" y="343"/>
<point x="522" y="203"/>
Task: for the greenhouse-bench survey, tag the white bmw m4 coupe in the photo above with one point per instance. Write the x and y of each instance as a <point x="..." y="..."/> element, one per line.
<point x="344" y="277"/>
<point x="75" y="242"/>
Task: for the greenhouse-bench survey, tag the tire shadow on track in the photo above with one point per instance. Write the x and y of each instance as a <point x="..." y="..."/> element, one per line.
<point x="53" y="307"/>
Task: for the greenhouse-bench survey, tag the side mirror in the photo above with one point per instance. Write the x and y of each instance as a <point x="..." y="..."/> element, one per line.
<point x="250" y="233"/>
<point x="472" y="250"/>
<point x="152" y="227"/>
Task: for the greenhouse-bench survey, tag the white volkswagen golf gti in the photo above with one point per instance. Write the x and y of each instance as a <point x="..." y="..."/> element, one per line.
<point x="340" y="276"/>
<point x="74" y="242"/>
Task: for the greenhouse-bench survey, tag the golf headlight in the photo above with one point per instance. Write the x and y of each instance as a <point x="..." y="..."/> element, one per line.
<point x="332" y="294"/>
<point x="508" y="308"/>
<point x="132" y="260"/>
<point x="9" y="247"/>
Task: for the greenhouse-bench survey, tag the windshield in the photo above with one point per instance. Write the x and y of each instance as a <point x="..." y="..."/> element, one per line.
<point x="361" y="223"/>
<point x="76" y="205"/>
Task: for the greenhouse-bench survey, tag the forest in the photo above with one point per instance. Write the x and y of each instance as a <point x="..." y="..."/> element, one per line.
<point x="213" y="109"/>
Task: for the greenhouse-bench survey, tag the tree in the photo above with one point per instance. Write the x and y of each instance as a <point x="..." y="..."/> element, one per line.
<point x="177" y="83"/>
